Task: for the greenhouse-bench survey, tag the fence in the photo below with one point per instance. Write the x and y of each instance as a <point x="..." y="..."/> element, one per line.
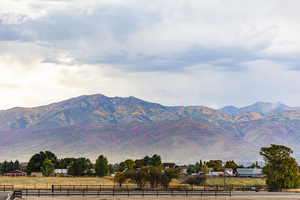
<point x="47" y="192"/>
<point x="129" y="190"/>
<point x="5" y="188"/>
<point x="133" y="187"/>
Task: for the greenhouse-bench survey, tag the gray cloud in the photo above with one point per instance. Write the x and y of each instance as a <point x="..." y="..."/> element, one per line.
<point x="114" y="34"/>
<point x="184" y="52"/>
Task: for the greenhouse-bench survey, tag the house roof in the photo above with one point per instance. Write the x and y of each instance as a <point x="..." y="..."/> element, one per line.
<point x="16" y="171"/>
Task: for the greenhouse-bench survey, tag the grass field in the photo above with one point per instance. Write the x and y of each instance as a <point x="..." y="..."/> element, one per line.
<point x="46" y="182"/>
<point x="235" y="181"/>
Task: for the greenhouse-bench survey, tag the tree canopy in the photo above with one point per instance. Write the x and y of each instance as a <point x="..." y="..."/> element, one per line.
<point x="281" y="169"/>
<point x="48" y="167"/>
<point x="101" y="167"/>
<point x="36" y="162"/>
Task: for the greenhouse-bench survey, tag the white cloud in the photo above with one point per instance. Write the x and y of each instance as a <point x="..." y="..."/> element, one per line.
<point x="174" y="52"/>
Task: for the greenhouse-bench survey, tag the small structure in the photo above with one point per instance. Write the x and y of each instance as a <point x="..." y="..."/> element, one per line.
<point x="183" y="170"/>
<point x="16" y="173"/>
<point x="36" y="174"/>
<point x="169" y="165"/>
<point x="249" y="172"/>
<point x="215" y="174"/>
<point x="61" y="172"/>
<point x="228" y="172"/>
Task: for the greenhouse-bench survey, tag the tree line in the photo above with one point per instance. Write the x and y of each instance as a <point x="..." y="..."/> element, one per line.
<point x="281" y="169"/>
<point x="46" y="162"/>
<point x="6" y="166"/>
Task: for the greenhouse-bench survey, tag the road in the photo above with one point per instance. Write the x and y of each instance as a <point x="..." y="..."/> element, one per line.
<point x="4" y="195"/>
<point x="242" y="193"/>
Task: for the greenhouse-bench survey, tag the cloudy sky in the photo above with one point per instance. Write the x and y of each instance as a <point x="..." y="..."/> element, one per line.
<point x="175" y="52"/>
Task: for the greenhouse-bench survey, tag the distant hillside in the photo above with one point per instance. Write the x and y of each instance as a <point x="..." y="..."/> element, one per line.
<point x="258" y="107"/>
<point x="131" y="127"/>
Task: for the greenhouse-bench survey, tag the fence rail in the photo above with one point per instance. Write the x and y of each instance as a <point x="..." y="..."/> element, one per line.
<point x="134" y="187"/>
<point x="47" y="192"/>
<point x="129" y="190"/>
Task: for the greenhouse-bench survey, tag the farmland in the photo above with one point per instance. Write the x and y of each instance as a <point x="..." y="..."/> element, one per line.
<point x="235" y="181"/>
<point x="46" y="182"/>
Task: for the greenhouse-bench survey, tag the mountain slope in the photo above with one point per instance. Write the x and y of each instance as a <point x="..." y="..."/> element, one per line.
<point x="258" y="107"/>
<point x="130" y="127"/>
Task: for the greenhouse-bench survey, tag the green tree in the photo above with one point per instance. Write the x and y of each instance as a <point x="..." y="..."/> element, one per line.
<point x="80" y="167"/>
<point x="154" y="175"/>
<point x="16" y="165"/>
<point x="155" y="160"/>
<point x="65" y="163"/>
<point x="139" y="163"/>
<point x="139" y="176"/>
<point x="168" y="175"/>
<point x="48" y="167"/>
<point x="196" y="180"/>
<point x="126" y="165"/>
<point x="191" y="169"/>
<point x="281" y="169"/>
<point x="217" y="165"/>
<point x="231" y="164"/>
<point x="147" y="161"/>
<point x="5" y="167"/>
<point x="101" y="166"/>
<point x="204" y="169"/>
<point x="36" y="161"/>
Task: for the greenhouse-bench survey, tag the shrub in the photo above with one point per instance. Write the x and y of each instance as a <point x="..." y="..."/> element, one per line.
<point x="196" y="180"/>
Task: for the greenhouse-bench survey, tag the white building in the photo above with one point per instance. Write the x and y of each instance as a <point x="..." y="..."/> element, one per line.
<point x="246" y="172"/>
<point x="61" y="172"/>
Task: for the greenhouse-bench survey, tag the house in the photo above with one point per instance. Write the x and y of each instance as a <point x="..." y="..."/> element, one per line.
<point x="36" y="174"/>
<point x="169" y="165"/>
<point x="228" y="172"/>
<point x="61" y="172"/>
<point x="16" y="173"/>
<point x="247" y="172"/>
<point x="215" y="174"/>
<point x="183" y="169"/>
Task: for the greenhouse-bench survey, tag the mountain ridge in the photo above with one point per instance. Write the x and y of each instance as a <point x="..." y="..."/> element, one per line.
<point x="130" y="127"/>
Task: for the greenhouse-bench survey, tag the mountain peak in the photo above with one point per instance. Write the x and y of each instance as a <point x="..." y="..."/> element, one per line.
<point x="265" y="107"/>
<point x="232" y="110"/>
<point x="258" y="107"/>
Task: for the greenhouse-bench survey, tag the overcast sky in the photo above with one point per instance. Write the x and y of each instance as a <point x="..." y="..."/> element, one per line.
<point x="174" y="52"/>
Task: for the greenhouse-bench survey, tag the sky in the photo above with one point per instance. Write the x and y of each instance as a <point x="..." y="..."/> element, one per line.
<point x="173" y="52"/>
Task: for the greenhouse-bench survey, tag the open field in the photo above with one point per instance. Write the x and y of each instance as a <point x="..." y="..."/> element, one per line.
<point x="235" y="181"/>
<point x="46" y="182"/>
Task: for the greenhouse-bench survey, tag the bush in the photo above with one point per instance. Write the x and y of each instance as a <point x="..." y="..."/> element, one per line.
<point x="196" y="180"/>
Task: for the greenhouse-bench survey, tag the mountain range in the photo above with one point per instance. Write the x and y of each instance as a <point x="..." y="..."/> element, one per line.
<point x="131" y="128"/>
